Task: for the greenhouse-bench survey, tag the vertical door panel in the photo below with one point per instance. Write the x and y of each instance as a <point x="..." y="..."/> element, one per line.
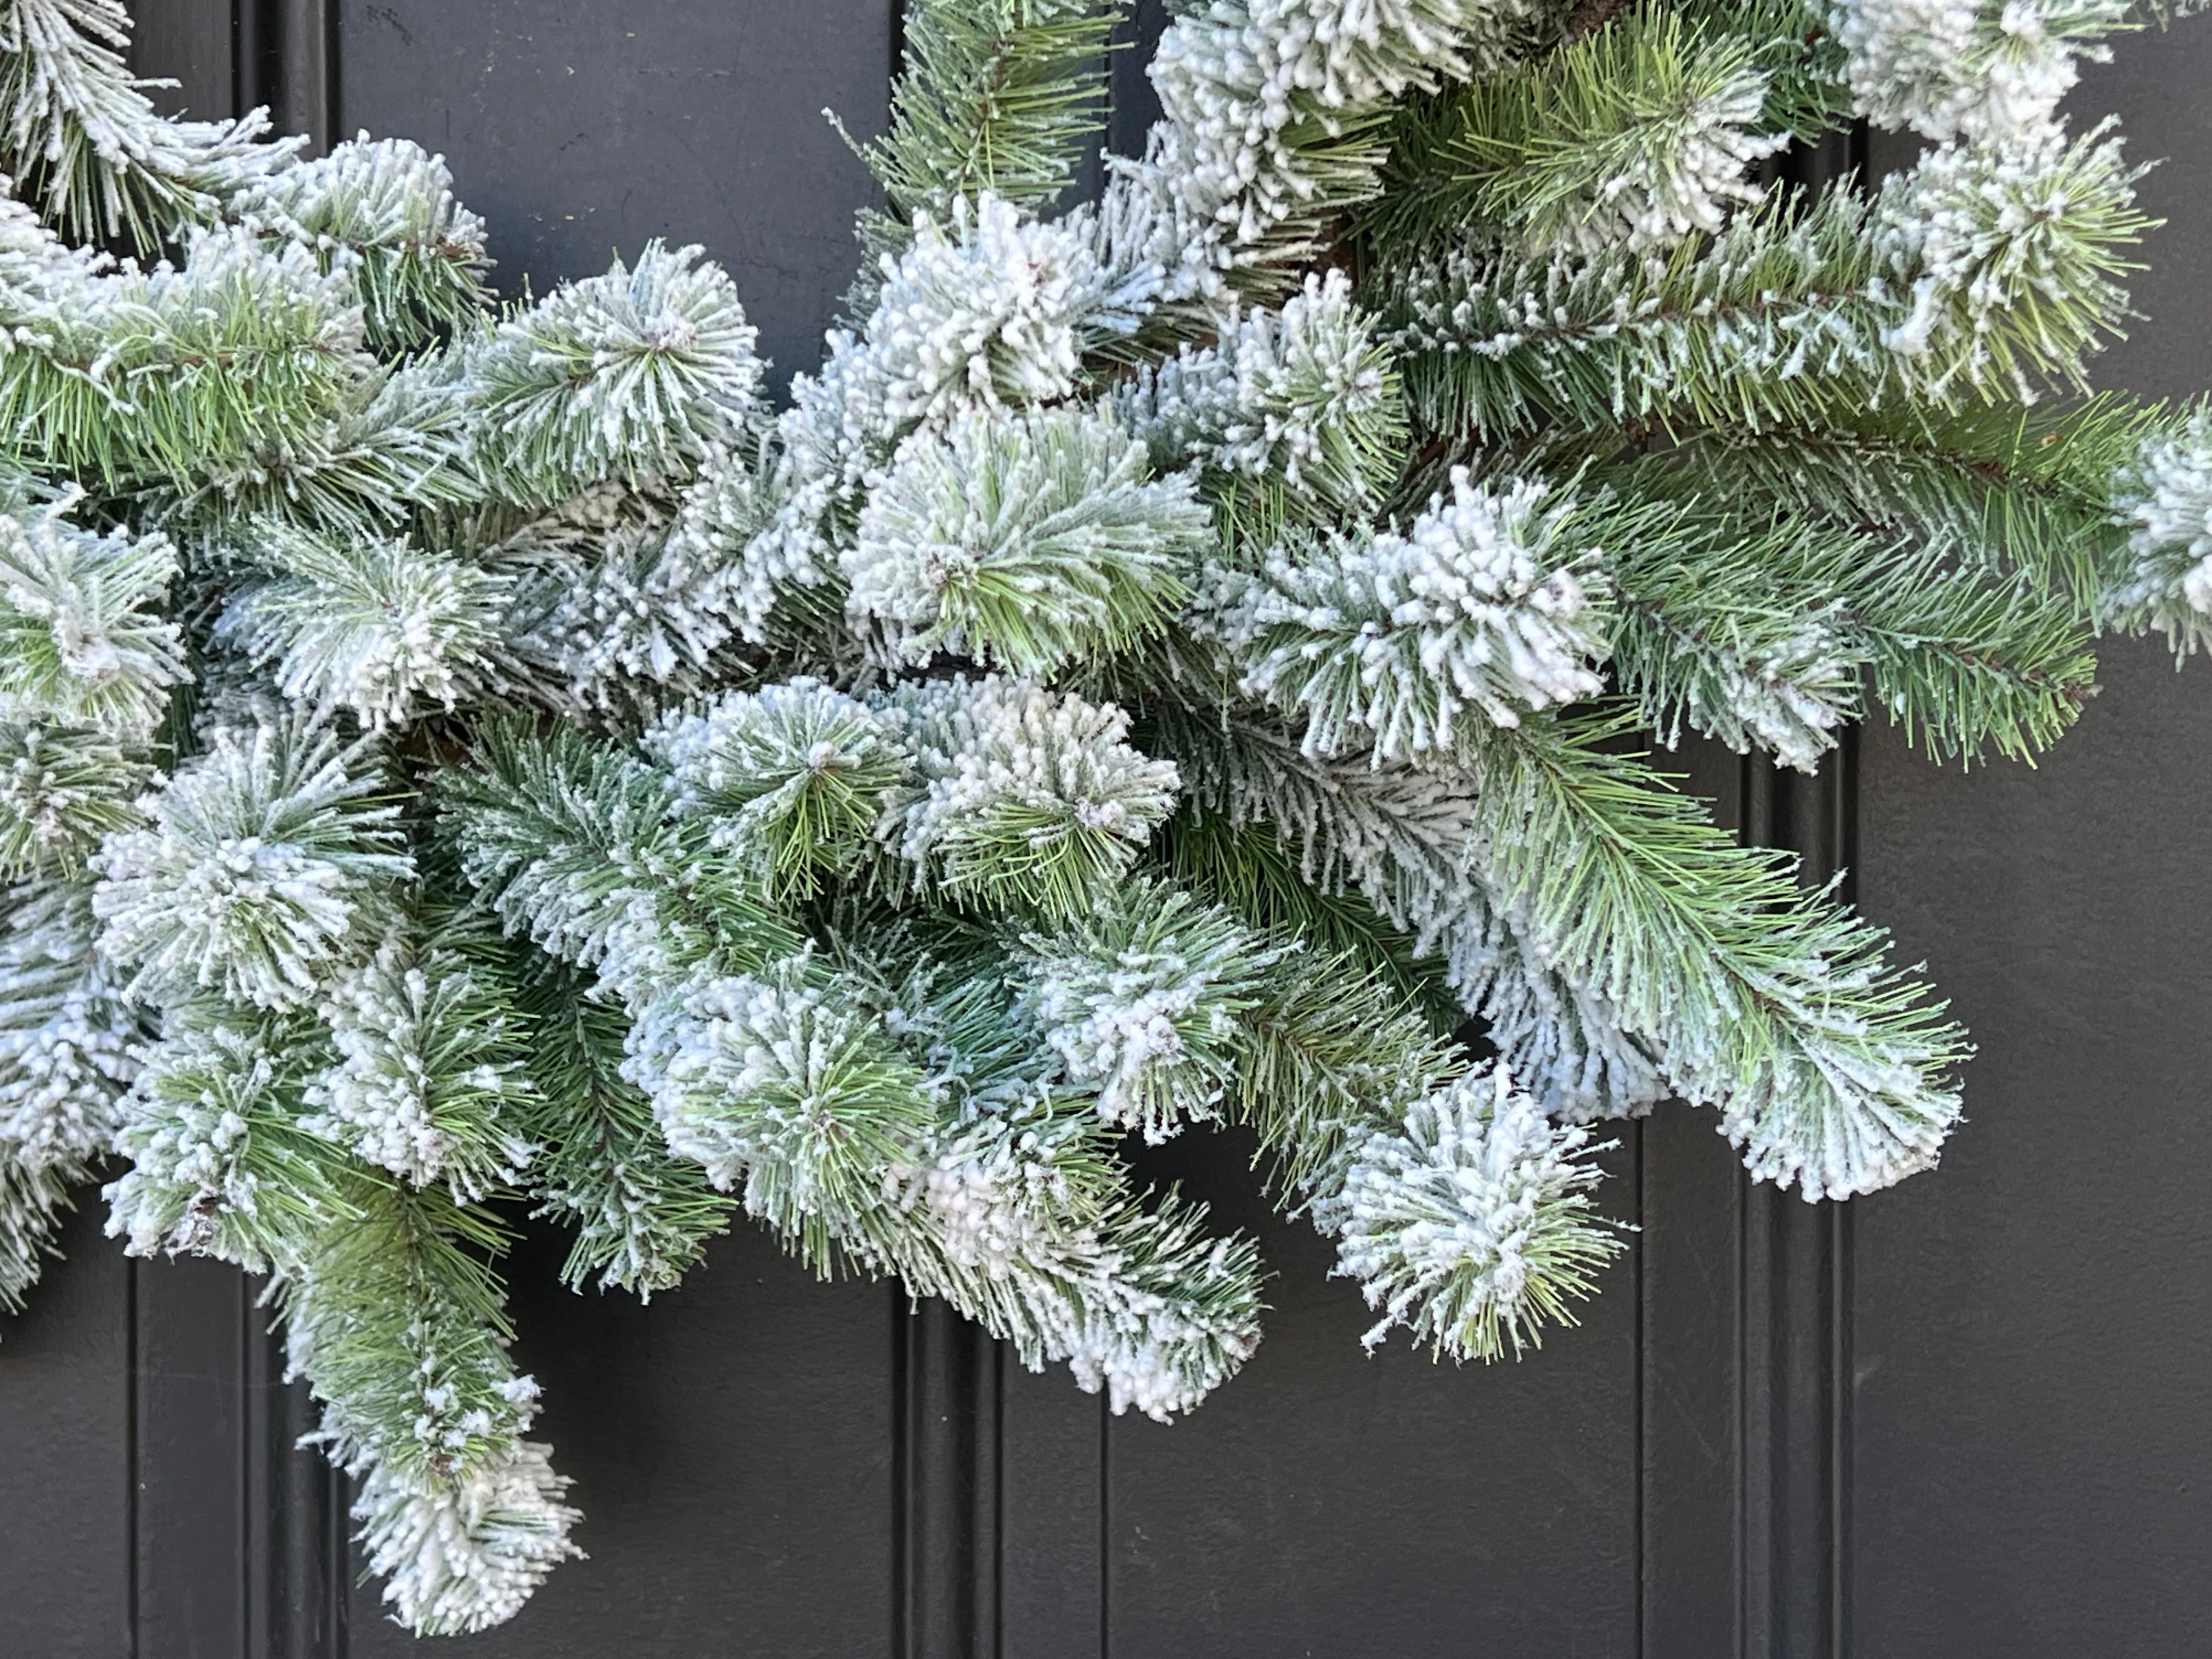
<point x="66" y="1506"/>
<point x="1335" y="1503"/>
<point x="2034" y="1322"/>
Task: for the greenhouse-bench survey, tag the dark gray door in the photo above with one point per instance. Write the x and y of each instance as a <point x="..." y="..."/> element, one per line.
<point x="1971" y="1417"/>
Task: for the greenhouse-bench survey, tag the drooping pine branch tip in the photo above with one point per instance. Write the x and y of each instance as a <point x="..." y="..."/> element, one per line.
<point x="1189" y="658"/>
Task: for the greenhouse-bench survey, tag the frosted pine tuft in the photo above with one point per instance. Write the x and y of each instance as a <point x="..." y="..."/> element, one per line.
<point x="1979" y="235"/>
<point x="1988" y="70"/>
<point x="991" y="308"/>
<point x="463" y="1554"/>
<point x="1142" y="1001"/>
<point x="1483" y="608"/>
<point x="381" y="628"/>
<point x="68" y="1040"/>
<point x="219" y="1164"/>
<point x="1252" y="90"/>
<point x="796" y="777"/>
<point x="770" y="1087"/>
<point x="1472" y="1225"/>
<point x="62" y="790"/>
<point x="2164" y="500"/>
<point x="1024" y="542"/>
<point x="388" y="206"/>
<point x="1029" y="796"/>
<point x="428" y="1083"/>
<point x="267" y="864"/>
<point x="630" y="375"/>
<point x="1306" y="394"/>
<point x="82" y="639"/>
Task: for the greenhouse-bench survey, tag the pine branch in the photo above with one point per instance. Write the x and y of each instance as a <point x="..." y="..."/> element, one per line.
<point x="1794" y="47"/>
<point x="429" y="1081"/>
<point x="270" y="863"/>
<point x="1000" y="96"/>
<point x="793" y="781"/>
<point x="1024" y="542"/>
<point x="68" y="1043"/>
<point x="1261" y="151"/>
<point x="2160" y="496"/>
<point x="1637" y="132"/>
<point x="379" y="627"/>
<point x="34" y="1195"/>
<point x="392" y="447"/>
<point x="1830" y="1065"/>
<point x="1759" y="633"/>
<point x="222" y="1163"/>
<point x="2015" y="488"/>
<point x="1246" y="870"/>
<point x="1975" y="70"/>
<point x="1463" y="1210"/>
<point x="1472" y="1225"/>
<point x="397" y="1323"/>
<point x="83" y="642"/>
<point x="172" y="377"/>
<point x="643" y="1216"/>
<point x="1144" y="1001"/>
<point x="1952" y="286"/>
<point x="1399" y="838"/>
<point x="1028" y="801"/>
<point x="1485" y="609"/>
<point x="386" y="211"/>
<point x="629" y="377"/>
<point x="571" y="840"/>
<point x="79" y="135"/>
<point x="790" y="1086"/>
<point x="1301" y="405"/>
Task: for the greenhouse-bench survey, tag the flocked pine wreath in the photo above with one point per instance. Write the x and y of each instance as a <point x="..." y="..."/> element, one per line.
<point x="1176" y="662"/>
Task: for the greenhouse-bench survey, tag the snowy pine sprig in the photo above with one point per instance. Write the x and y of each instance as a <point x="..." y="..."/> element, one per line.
<point x="266" y="863"/>
<point x="222" y="1163"/>
<point x="385" y="208"/>
<point x="378" y="627"/>
<point x="1635" y="136"/>
<point x="1029" y="798"/>
<point x="628" y="376"/>
<point x="1144" y="1000"/>
<point x="796" y="776"/>
<point x="1482" y="609"/>
<point x="1305" y="398"/>
<point x="83" y="642"/>
<point x="2162" y="501"/>
<point x="395" y="1323"/>
<point x="430" y="1082"/>
<point x="1025" y="542"/>
<point x="1984" y="69"/>
<point x="80" y="133"/>
<point x="68" y="1051"/>
<point x="994" y="98"/>
<point x="1472" y="1225"/>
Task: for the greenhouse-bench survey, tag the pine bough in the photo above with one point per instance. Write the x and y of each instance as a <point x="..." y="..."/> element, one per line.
<point x="1176" y="662"/>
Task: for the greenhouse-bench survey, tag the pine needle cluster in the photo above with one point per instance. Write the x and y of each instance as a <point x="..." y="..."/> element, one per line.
<point x="1184" y="658"/>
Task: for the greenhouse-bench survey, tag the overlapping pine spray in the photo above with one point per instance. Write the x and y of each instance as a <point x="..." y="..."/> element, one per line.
<point x="1177" y="660"/>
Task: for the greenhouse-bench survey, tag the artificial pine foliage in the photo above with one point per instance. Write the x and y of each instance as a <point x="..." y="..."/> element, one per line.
<point x="1180" y="660"/>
